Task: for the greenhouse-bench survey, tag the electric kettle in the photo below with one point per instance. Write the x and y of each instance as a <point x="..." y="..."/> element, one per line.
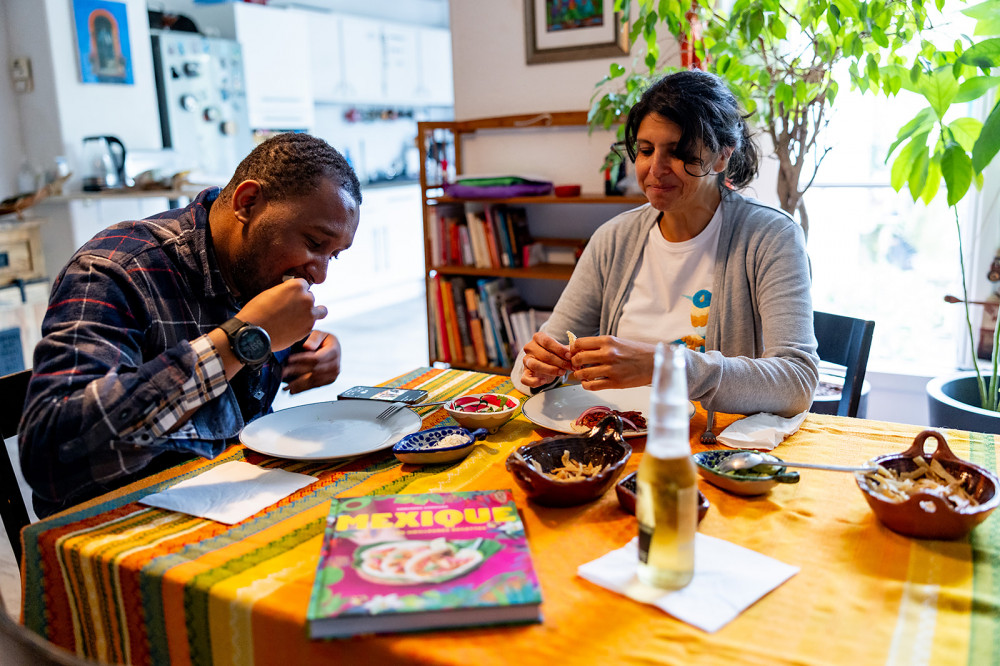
<point x="104" y="163"/>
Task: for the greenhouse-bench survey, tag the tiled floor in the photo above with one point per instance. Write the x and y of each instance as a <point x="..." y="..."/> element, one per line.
<point x="377" y="345"/>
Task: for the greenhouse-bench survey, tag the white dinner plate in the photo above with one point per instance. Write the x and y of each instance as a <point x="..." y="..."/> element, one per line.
<point x="328" y="430"/>
<point x="557" y="409"/>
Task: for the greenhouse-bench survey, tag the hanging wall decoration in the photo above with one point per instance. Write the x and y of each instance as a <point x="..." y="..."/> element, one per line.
<point x="102" y="41"/>
<point x="561" y="30"/>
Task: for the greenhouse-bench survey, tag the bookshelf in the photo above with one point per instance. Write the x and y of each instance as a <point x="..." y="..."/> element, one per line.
<point x="494" y="266"/>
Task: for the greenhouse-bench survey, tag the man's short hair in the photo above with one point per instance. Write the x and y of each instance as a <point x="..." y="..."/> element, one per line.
<point x="292" y="165"/>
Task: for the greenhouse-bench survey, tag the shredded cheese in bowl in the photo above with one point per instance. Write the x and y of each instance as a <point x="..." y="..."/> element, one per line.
<point x="931" y="478"/>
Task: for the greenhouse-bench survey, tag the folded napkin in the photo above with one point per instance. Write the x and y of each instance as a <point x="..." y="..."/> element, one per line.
<point x="762" y="432"/>
<point x="728" y="579"/>
<point x="230" y="492"/>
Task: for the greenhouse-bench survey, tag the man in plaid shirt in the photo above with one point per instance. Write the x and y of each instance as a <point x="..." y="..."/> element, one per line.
<point x="165" y="336"/>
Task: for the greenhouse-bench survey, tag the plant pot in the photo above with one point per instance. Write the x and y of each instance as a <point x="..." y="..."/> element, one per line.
<point x="828" y="404"/>
<point x="953" y="402"/>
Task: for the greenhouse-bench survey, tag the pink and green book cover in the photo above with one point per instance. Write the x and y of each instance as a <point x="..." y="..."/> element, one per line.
<point x="394" y="563"/>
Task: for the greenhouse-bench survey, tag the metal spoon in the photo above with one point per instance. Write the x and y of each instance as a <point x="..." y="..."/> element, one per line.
<point x="748" y="459"/>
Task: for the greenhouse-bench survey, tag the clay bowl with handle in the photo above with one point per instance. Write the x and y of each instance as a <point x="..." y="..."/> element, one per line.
<point x="604" y="445"/>
<point x="924" y="515"/>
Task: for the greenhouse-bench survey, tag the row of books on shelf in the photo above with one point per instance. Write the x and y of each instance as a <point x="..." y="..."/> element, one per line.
<point x="491" y="236"/>
<point x="481" y="322"/>
<point x="475" y="234"/>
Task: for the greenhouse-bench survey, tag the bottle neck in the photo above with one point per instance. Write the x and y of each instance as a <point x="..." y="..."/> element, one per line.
<point x="668" y="418"/>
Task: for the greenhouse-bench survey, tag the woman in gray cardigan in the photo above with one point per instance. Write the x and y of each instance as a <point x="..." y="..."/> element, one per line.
<point x="699" y="265"/>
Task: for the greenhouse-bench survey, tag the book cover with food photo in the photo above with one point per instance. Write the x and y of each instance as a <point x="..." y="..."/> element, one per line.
<point x="396" y="563"/>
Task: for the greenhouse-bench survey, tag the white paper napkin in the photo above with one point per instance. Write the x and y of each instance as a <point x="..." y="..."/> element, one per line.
<point x="728" y="579"/>
<point x="762" y="432"/>
<point x="230" y="492"/>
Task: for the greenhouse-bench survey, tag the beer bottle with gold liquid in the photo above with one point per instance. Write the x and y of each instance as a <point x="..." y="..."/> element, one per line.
<point x="667" y="497"/>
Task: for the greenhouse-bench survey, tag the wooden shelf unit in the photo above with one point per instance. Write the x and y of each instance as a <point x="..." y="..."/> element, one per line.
<point x="428" y="133"/>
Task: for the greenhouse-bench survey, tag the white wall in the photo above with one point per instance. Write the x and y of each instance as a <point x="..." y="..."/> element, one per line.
<point x="11" y="143"/>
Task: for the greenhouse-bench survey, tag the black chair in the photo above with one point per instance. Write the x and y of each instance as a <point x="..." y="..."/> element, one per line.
<point x="13" y="389"/>
<point x="20" y="645"/>
<point x="845" y="341"/>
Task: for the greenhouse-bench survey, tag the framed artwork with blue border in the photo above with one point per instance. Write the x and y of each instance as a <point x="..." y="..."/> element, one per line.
<point x="102" y="41"/>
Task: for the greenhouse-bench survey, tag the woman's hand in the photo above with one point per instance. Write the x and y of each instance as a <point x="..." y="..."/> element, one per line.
<point x="318" y="364"/>
<point x="545" y="360"/>
<point x="604" y="362"/>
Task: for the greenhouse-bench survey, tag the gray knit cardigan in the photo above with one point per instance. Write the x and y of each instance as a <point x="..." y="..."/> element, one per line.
<point x="760" y="348"/>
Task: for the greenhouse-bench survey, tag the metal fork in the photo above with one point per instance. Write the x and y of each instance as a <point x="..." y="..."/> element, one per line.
<point x="390" y="411"/>
<point x="708" y="437"/>
<point x="395" y="407"/>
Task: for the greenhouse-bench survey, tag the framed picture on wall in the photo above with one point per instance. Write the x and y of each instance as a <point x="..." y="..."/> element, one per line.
<point x="102" y="41"/>
<point x="562" y="30"/>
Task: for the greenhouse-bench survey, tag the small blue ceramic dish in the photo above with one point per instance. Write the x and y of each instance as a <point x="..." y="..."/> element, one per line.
<point x="424" y="447"/>
<point x="756" y="481"/>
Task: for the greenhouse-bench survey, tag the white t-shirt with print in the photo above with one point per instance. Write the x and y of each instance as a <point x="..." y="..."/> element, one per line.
<point x="671" y="295"/>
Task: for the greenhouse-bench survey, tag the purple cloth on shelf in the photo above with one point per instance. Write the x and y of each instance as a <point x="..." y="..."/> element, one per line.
<point x="497" y="191"/>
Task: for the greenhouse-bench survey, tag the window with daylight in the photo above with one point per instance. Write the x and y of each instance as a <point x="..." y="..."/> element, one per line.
<point x="875" y="253"/>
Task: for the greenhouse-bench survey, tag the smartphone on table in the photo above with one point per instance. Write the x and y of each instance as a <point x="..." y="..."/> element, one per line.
<point x="408" y="396"/>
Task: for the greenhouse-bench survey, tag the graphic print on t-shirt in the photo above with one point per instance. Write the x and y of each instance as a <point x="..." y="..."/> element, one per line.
<point x="701" y="302"/>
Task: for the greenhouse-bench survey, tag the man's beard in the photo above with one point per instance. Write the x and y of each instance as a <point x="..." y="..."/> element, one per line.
<point x="248" y="268"/>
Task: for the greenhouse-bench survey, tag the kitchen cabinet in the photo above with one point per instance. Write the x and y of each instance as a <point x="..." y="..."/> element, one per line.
<point x="435" y="70"/>
<point x="363" y="71"/>
<point x="276" y="60"/>
<point x="402" y="69"/>
<point x="385" y="259"/>
<point x="326" y="58"/>
<point x="355" y="60"/>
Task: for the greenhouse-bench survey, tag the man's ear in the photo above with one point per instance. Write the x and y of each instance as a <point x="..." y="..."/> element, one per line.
<point x="247" y="199"/>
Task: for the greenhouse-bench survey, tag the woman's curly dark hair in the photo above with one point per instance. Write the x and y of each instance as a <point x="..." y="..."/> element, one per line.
<point x="292" y="165"/>
<point x="708" y="115"/>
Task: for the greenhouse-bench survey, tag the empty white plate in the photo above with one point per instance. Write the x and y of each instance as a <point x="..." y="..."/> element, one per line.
<point x="328" y="430"/>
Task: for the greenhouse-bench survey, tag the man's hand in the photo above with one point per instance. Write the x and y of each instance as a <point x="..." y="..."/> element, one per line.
<point x="545" y="360"/>
<point x="604" y="361"/>
<point x="318" y="364"/>
<point x="287" y="312"/>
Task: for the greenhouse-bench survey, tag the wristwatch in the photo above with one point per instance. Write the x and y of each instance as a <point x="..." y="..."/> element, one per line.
<point x="250" y="343"/>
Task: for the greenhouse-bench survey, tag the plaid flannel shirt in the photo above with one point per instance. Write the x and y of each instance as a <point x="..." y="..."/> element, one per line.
<point x="124" y="355"/>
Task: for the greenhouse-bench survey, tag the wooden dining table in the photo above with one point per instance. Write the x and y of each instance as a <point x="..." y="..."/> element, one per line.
<point x="119" y="581"/>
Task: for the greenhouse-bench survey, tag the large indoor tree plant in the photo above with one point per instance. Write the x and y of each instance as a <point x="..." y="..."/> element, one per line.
<point x="780" y="58"/>
<point x="944" y="144"/>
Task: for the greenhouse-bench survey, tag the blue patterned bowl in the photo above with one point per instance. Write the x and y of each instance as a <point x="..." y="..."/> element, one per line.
<point x="743" y="482"/>
<point x="423" y="447"/>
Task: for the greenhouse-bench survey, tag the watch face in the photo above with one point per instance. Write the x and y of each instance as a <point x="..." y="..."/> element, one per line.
<point x="253" y="344"/>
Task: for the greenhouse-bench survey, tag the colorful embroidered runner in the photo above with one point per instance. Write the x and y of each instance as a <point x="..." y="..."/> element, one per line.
<point x="121" y="582"/>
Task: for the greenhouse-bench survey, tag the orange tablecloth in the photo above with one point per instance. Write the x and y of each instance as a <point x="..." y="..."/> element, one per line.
<point x="119" y="581"/>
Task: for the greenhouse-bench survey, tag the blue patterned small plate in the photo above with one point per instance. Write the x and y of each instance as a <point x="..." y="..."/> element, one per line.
<point x="744" y="482"/>
<point x="424" y="447"/>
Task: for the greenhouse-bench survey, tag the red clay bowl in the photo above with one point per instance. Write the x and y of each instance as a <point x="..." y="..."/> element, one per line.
<point x="626" y="489"/>
<point x="604" y="445"/>
<point x="926" y="516"/>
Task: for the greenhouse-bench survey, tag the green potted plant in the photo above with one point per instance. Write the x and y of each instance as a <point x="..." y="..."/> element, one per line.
<point x="943" y="145"/>
<point x="779" y="57"/>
